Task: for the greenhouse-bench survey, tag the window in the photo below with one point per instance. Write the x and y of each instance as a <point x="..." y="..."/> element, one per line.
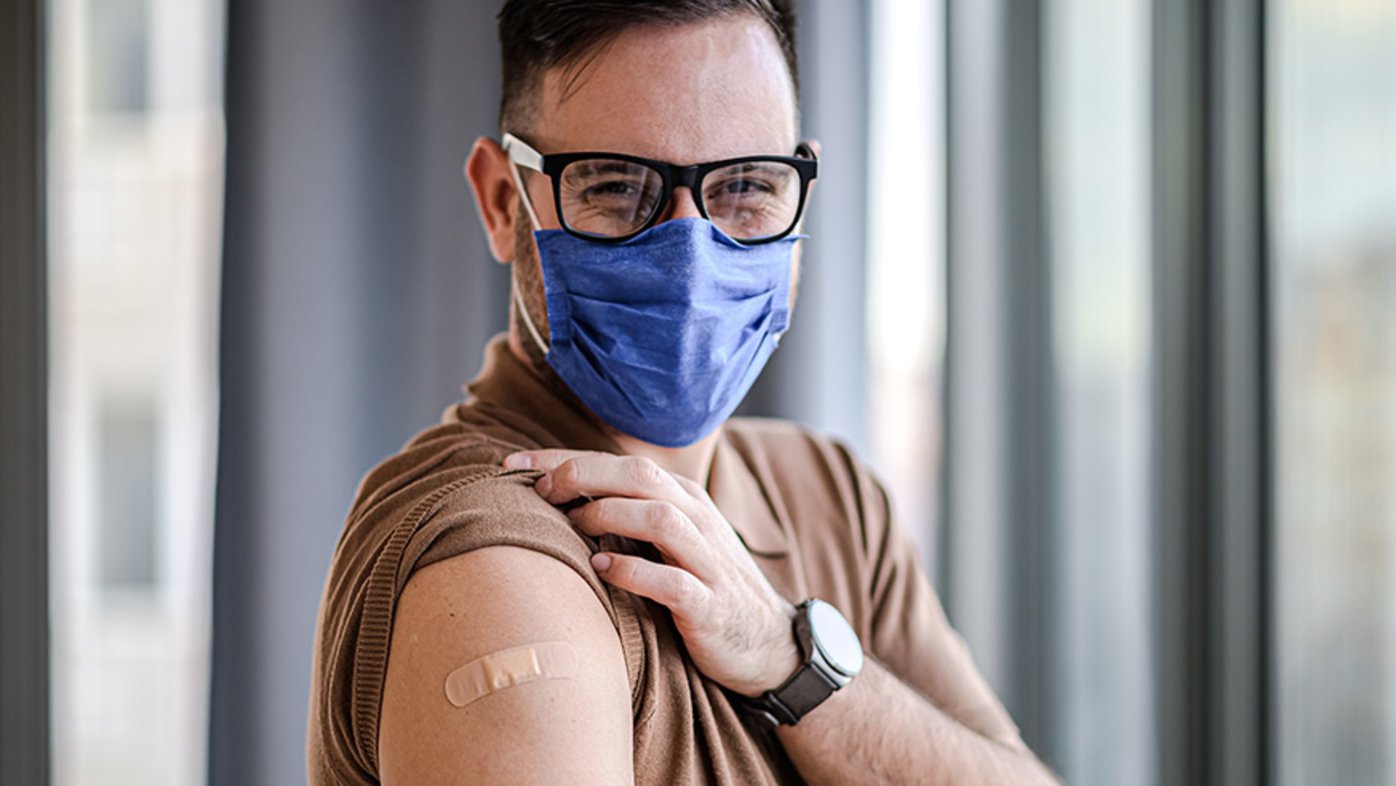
<point x="1333" y="130"/>
<point x="117" y="55"/>
<point x="1097" y="152"/>
<point x="905" y="260"/>
<point x="134" y="185"/>
<point x="129" y="469"/>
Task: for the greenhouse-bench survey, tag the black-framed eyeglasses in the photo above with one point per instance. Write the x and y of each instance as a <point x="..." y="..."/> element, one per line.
<point x="612" y="197"/>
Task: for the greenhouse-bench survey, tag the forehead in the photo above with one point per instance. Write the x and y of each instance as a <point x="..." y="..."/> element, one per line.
<point x="683" y="93"/>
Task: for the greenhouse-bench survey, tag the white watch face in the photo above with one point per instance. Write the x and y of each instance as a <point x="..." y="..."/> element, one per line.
<point x="835" y="638"/>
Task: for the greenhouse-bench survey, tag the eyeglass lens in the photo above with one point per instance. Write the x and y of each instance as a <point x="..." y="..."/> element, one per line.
<point x="613" y="198"/>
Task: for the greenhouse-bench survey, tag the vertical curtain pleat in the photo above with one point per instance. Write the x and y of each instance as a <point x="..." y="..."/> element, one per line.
<point x="358" y="294"/>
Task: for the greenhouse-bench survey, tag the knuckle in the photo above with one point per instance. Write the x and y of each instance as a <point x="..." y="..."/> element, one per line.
<point x="567" y="474"/>
<point x="691" y="486"/>
<point x="646" y="472"/>
<point x="600" y="509"/>
<point x="688" y="592"/>
<point x="664" y="518"/>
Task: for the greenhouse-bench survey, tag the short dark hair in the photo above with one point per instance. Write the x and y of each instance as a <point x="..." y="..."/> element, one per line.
<point x="537" y="35"/>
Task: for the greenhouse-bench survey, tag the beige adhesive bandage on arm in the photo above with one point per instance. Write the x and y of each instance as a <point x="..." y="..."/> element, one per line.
<point x="549" y="660"/>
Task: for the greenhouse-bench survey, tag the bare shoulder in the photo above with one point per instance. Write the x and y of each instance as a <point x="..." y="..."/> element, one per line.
<point x="503" y="599"/>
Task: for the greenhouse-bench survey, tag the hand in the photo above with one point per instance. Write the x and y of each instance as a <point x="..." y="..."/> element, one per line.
<point x="737" y="628"/>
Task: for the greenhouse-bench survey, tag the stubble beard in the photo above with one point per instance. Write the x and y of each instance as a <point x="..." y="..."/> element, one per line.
<point x="527" y="272"/>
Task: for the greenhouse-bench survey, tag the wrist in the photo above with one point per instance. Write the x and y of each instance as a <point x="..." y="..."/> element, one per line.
<point x="785" y="657"/>
<point x="829" y="657"/>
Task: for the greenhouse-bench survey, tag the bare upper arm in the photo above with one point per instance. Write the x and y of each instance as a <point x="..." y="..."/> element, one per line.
<point x="575" y="730"/>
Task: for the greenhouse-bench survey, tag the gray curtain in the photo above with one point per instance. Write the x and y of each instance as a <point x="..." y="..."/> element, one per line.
<point x="358" y="294"/>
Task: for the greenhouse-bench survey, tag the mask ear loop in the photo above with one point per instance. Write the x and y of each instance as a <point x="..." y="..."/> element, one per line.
<point x="513" y="280"/>
<point x="527" y="320"/>
<point x="523" y="194"/>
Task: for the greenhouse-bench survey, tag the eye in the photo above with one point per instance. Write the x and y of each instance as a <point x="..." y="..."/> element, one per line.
<point x="747" y="183"/>
<point x="610" y="189"/>
<point x="753" y="199"/>
<point x="607" y="189"/>
<point x="739" y="186"/>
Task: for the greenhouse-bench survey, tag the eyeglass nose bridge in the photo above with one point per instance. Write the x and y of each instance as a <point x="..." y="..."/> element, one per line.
<point x="684" y="177"/>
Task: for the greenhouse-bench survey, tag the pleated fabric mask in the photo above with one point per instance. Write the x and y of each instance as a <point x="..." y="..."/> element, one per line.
<point x="663" y="335"/>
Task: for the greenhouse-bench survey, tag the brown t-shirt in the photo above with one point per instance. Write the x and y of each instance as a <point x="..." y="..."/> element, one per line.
<point x="812" y="517"/>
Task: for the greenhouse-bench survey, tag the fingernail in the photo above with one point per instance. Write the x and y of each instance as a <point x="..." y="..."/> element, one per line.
<point x="601" y="562"/>
<point x="543" y="485"/>
<point x="518" y="461"/>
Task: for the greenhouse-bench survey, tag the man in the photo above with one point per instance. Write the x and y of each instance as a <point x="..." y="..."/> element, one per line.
<point x="585" y="573"/>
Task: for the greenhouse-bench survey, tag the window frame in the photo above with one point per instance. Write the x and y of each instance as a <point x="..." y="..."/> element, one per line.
<point x="24" y="659"/>
<point x="1213" y="422"/>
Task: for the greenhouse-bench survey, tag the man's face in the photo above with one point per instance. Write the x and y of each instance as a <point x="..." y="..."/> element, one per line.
<point x="685" y="94"/>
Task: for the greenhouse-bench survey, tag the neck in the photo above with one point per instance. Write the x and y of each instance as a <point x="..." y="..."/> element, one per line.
<point x="691" y="461"/>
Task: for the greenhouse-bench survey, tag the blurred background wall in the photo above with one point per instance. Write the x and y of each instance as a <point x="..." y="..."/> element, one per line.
<point x="1104" y="289"/>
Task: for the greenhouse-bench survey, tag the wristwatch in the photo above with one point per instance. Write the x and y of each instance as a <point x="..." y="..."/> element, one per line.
<point x="832" y="655"/>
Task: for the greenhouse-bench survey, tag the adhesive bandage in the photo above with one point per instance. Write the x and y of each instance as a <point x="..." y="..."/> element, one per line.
<point x="549" y="660"/>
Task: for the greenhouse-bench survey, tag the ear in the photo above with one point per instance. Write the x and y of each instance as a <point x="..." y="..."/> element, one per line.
<point x="818" y="153"/>
<point x="814" y="145"/>
<point x="496" y="198"/>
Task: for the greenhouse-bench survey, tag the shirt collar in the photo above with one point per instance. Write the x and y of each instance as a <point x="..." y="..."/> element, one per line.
<point x="741" y="497"/>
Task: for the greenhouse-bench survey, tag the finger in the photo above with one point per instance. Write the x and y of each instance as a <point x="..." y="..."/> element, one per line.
<point x="693" y="488"/>
<point x="660" y="523"/>
<point x="604" y="475"/>
<point x="699" y="508"/>
<point x="541" y="459"/>
<point x="675" y="588"/>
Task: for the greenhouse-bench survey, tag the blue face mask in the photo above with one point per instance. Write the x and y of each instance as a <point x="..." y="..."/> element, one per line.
<point x="663" y="335"/>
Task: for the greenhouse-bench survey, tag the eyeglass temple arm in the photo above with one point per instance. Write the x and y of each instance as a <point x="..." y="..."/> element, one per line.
<point x="521" y="153"/>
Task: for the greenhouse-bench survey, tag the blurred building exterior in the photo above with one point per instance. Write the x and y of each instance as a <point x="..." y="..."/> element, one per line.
<point x="1097" y="140"/>
<point x="1333" y="126"/>
<point x="135" y="174"/>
